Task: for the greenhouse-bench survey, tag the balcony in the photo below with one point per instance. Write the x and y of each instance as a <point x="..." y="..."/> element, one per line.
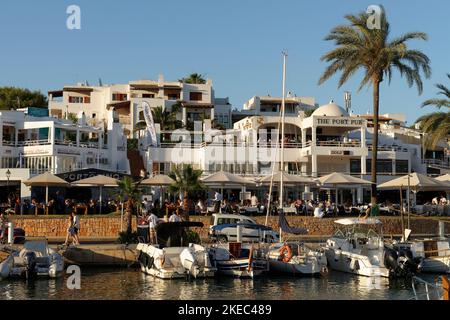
<point x="340" y="144"/>
<point x="437" y="163"/>
<point x="30" y="143"/>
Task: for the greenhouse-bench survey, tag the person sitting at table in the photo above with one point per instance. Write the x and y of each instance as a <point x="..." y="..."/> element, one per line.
<point x="443" y="201"/>
<point x="318" y="211"/>
<point x="226" y="207"/>
<point x="435" y="201"/>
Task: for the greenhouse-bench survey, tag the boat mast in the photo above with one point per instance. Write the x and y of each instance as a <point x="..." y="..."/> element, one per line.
<point x="282" y="130"/>
<point x="282" y="137"/>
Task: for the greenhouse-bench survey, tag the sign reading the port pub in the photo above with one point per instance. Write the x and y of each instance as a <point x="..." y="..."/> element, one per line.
<point x="339" y="122"/>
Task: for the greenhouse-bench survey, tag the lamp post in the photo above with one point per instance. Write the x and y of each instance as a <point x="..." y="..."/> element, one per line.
<point x="8" y="175"/>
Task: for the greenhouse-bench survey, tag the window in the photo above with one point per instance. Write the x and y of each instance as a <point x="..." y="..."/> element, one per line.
<point x="75" y="99"/>
<point x="401" y="166"/>
<point x="195" y="96"/>
<point x="227" y="221"/>
<point x="383" y="165"/>
<point x="148" y="95"/>
<point x="119" y="96"/>
<point x="174" y="96"/>
<point x="355" y="166"/>
<point x="87" y="99"/>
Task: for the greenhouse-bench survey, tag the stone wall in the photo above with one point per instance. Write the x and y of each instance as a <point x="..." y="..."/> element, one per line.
<point x="109" y="227"/>
<point x="101" y="227"/>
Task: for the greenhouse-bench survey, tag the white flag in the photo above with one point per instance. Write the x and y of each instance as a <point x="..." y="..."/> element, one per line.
<point x="149" y="121"/>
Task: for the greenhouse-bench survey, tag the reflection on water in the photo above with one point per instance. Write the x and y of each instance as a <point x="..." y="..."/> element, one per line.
<point x="132" y="284"/>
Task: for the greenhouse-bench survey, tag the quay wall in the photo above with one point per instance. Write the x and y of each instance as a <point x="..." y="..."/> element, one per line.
<point x="109" y="226"/>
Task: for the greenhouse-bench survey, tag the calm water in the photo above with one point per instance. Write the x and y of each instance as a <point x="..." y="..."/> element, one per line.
<point x="132" y="284"/>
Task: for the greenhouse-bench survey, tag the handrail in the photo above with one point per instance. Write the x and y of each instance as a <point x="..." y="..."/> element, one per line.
<point x="427" y="289"/>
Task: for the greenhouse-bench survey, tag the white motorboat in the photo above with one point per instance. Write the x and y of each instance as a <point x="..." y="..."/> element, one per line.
<point x="435" y="254"/>
<point x="6" y="261"/>
<point x="358" y="248"/>
<point x="173" y="257"/>
<point x="36" y="258"/>
<point x="297" y="258"/>
<point x="239" y="260"/>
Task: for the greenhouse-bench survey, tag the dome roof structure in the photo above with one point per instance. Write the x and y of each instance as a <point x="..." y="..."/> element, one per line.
<point x="330" y="110"/>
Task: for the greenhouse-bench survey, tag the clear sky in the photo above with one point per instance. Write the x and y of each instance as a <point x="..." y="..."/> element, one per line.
<point x="236" y="43"/>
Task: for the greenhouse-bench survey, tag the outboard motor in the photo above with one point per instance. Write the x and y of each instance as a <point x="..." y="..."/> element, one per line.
<point x="400" y="261"/>
<point x="30" y="263"/>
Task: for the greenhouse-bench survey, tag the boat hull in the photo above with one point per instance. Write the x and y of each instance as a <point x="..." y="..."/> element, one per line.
<point x="354" y="263"/>
<point x="240" y="268"/>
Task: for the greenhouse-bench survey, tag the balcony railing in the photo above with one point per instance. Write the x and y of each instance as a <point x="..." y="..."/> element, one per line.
<point x="389" y="148"/>
<point x="8" y="143"/>
<point x="349" y="144"/>
<point x="28" y="143"/>
<point x="437" y="162"/>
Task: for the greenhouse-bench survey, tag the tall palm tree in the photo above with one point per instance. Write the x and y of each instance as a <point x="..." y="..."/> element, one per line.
<point x="187" y="182"/>
<point x="359" y="47"/>
<point x="437" y="124"/>
<point x="195" y="78"/>
<point x="129" y="190"/>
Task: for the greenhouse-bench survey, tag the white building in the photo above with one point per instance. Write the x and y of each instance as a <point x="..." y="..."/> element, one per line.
<point x="196" y="101"/>
<point x="30" y="145"/>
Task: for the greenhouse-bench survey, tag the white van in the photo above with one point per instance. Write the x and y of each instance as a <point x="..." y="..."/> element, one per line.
<point x="223" y="228"/>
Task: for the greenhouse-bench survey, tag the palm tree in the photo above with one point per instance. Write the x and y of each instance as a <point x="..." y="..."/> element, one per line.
<point x="129" y="190"/>
<point x="195" y="78"/>
<point x="187" y="182"/>
<point x="165" y="118"/>
<point x="437" y="124"/>
<point x="358" y="47"/>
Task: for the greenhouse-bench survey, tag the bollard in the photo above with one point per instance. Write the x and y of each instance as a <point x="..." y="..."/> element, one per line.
<point x="441" y="230"/>
<point x="238" y="233"/>
<point x="10" y="233"/>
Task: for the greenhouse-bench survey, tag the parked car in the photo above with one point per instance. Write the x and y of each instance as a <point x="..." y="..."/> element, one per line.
<point x="19" y="235"/>
<point x="224" y="228"/>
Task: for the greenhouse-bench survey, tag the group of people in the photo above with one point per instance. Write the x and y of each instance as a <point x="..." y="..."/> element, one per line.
<point x="440" y="200"/>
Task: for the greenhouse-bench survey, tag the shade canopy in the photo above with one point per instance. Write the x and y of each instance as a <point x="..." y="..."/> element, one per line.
<point x="223" y="177"/>
<point x="337" y="178"/>
<point x="288" y="179"/>
<point x="417" y="182"/>
<point x="158" y="180"/>
<point x="99" y="180"/>
<point x="46" y="180"/>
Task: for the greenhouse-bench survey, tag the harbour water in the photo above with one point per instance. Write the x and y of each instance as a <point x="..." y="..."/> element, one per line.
<point x="100" y="283"/>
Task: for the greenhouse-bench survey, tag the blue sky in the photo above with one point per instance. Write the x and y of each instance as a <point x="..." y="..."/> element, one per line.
<point x="236" y="43"/>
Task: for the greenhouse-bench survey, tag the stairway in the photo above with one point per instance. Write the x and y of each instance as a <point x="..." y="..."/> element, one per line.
<point x="136" y="162"/>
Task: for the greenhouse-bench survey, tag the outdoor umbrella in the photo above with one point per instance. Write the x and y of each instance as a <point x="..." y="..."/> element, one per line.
<point x="416" y="182"/>
<point x="288" y="179"/>
<point x="341" y="179"/>
<point x="97" y="181"/>
<point x="223" y="179"/>
<point x="46" y="180"/>
<point x="159" y="180"/>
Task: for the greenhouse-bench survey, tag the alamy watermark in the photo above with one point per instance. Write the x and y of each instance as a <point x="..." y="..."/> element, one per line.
<point x="73" y="21"/>
<point x="74" y="280"/>
<point x="375" y="13"/>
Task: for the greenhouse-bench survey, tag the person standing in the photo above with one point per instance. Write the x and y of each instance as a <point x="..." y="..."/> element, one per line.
<point x="70" y="230"/>
<point x="254" y="201"/>
<point x="152" y="222"/>
<point x="217" y="201"/>
<point x="76" y="227"/>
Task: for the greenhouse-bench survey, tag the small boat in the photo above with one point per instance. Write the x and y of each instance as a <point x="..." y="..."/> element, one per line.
<point x="296" y="258"/>
<point x="239" y="260"/>
<point x="36" y="259"/>
<point x="435" y="254"/>
<point x="173" y="256"/>
<point x="359" y="249"/>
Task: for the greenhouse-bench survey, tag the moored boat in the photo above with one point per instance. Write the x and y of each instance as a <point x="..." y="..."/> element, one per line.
<point x="239" y="260"/>
<point x="173" y="256"/>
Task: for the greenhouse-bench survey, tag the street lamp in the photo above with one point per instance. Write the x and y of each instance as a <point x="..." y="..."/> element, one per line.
<point x="8" y="175"/>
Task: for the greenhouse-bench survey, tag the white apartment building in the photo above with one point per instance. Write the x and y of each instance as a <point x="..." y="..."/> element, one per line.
<point x="330" y="140"/>
<point x="196" y="101"/>
<point x="30" y="145"/>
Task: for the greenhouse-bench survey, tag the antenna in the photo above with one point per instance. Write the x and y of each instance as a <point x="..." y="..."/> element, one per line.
<point x="348" y="101"/>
